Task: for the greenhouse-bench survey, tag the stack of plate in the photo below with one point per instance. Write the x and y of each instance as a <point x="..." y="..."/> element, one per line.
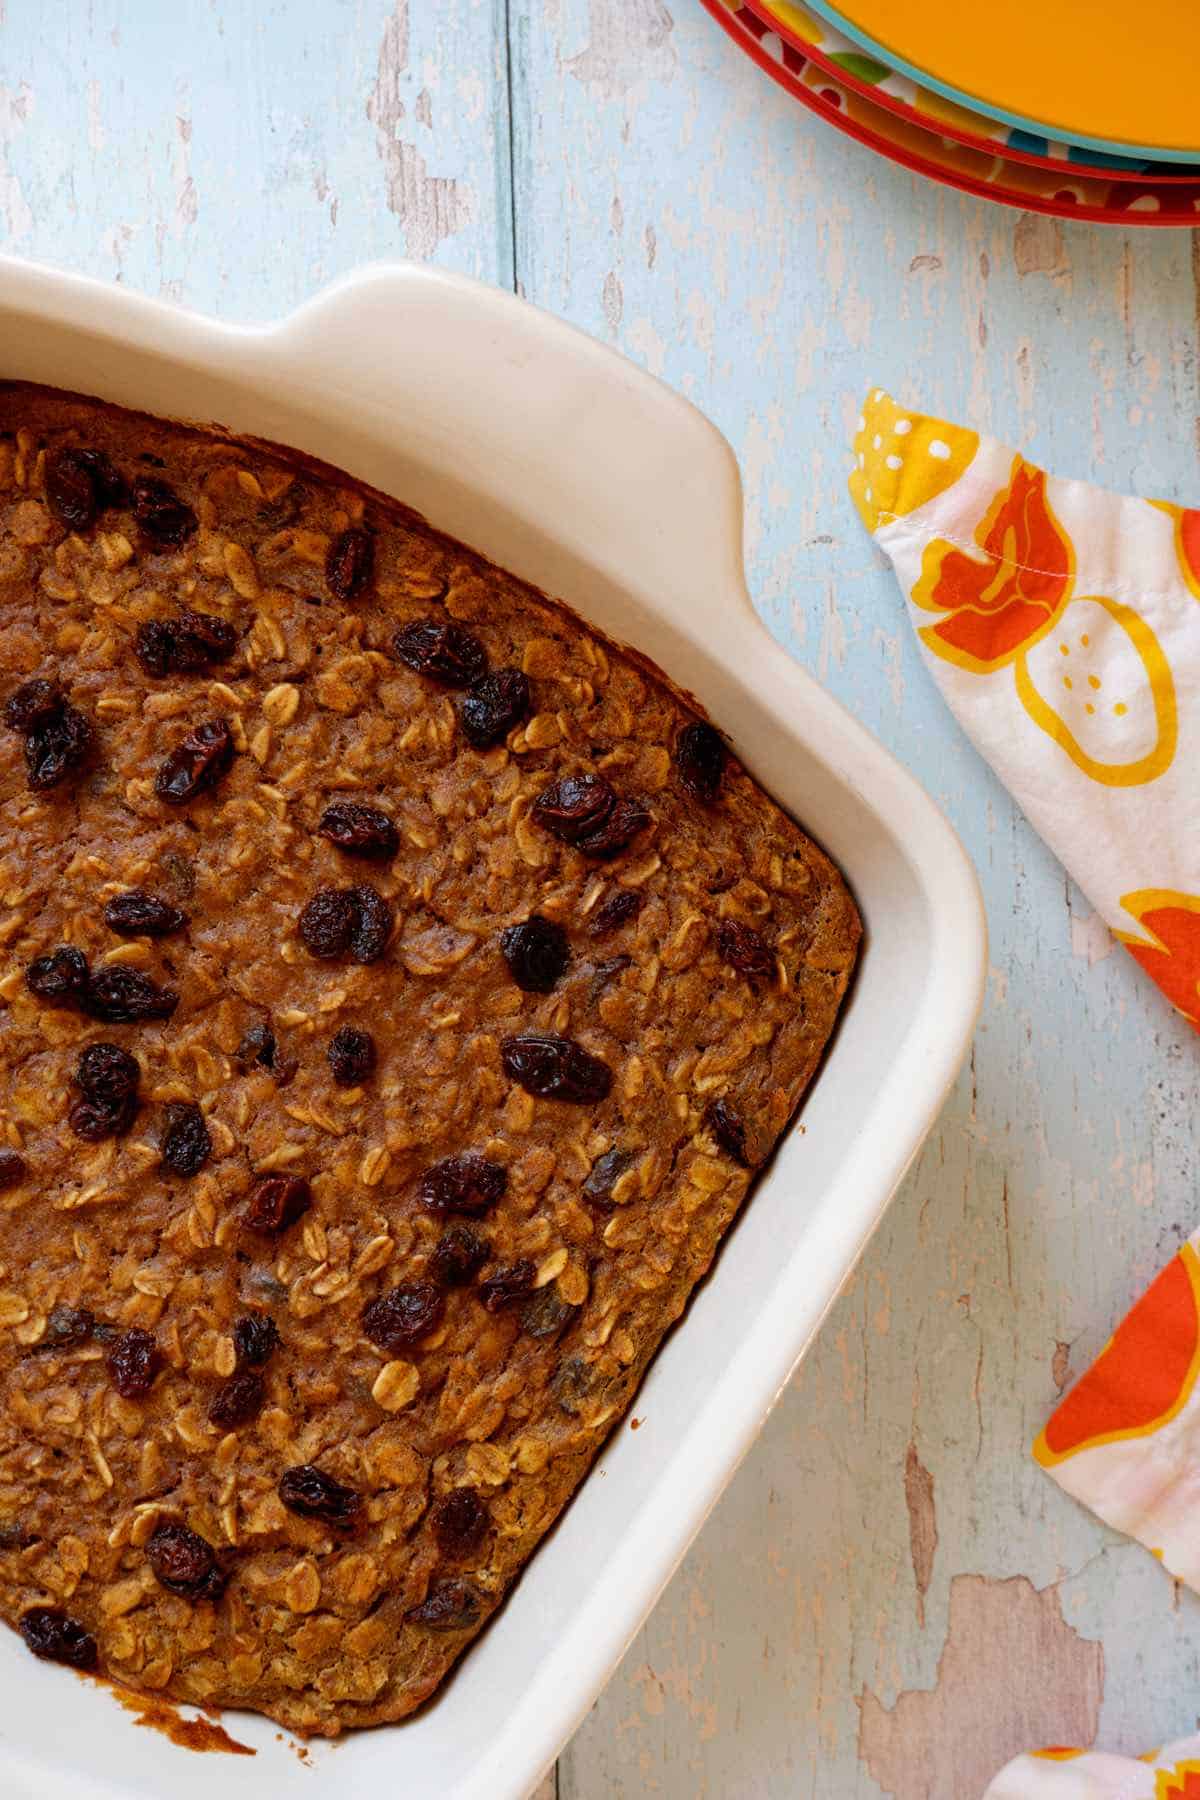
<point x="1057" y="107"/>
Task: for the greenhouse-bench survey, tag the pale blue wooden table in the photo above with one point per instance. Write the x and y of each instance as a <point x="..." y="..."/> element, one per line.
<point x="890" y="1598"/>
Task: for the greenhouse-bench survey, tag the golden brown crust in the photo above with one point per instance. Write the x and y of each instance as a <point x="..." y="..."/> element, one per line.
<point x="313" y="1627"/>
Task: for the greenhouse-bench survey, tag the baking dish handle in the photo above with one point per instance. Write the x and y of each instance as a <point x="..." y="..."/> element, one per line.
<point x="600" y="438"/>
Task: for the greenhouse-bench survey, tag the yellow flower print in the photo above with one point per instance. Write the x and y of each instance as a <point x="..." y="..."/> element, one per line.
<point x="1101" y="687"/>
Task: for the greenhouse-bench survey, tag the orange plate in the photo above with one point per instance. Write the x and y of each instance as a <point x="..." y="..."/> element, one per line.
<point x="1100" y="71"/>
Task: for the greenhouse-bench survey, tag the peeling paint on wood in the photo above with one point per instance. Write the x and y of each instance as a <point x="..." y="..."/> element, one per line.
<point x="922" y="1525"/>
<point x="429" y="207"/>
<point x="624" y="166"/>
<point x="629" y="42"/>
<point x="1012" y="1676"/>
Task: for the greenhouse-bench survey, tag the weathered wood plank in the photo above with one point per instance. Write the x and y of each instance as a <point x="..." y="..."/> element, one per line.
<point x="236" y="157"/>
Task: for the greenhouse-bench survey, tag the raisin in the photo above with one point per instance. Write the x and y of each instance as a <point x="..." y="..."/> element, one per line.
<point x="133" y="1362"/>
<point x="78" y="483"/>
<point x="699" y="760"/>
<point x="350" y="563"/>
<point x="257" y="1046"/>
<point x="311" y="1494"/>
<point x="725" y="1123"/>
<point x="165" y="518"/>
<point x="458" y="1256"/>
<point x="93" y="1123"/>
<point x="238" y="1400"/>
<point x="555" y="1068"/>
<point x="536" y="953"/>
<point x="463" y="1184"/>
<point x="107" y="1073"/>
<point x="196" y="763"/>
<point x="605" y="1172"/>
<point x="70" y="490"/>
<point x="571" y="1383"/>
<point x="493" y="706"/>
<point x="184" y="645"/>
<point x="184" y="1563"/>
<point x="154" y="647"/>
<point x="443" y="651"/>
<point x="508" y="1285"/>
<point x="185" y="1145"/>
<point x="57" y="748"/>
<point x="745" y="949"/>
<point x="107" y="479"/>
<point x="584" y="810"/>
<point x="67" y="1327"/>
<point x="201" y="639"/>
<point x="277" y="1202"/>
<point x="546" y="1314"/>
<point x="58" y="738"/>
<point x="12" y="1169"/>
<point x="351" y="1056"/>
<point x="373" y="924"/>
<point x="360" y="830"/>
<point x="118" y="995"/>
<point x="622" y="906"/>
<point x="624" y="822"/>
<point x="574" y="806"/>
<point x="353" y="921"/>
<point x="448" y="1606"/>
<point x="459" y="1522"/>
<point x="403" y="1316"/>
<point x="255" y="1340"/>
<point x="138" y="914"/>
<point x="32" y="704"/>
<point x="108" y="1078"/>
<point x="54" y="1637"/>
<point x="61" y="977"/>
<point x="327" y="923"/>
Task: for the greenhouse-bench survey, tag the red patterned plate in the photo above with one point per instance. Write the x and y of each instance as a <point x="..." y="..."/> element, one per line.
<point x="1061" y="193"/>
<point x="852" y="68"/>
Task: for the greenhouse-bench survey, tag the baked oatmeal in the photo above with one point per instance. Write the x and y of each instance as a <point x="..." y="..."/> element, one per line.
<point x="400" y="985"/>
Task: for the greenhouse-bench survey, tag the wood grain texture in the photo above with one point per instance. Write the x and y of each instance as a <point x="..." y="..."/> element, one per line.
<point x="622" y="165"/>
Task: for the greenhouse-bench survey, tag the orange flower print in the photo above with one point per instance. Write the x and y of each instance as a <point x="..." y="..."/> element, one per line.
<point x="1171" y="922"/>
<point x="1188" y="539"/>
<point x="1088" y="669"/>
<point x="1142" y="1377"/>
<point x="998" y="604"/>
<point x="1180" y="1783"/>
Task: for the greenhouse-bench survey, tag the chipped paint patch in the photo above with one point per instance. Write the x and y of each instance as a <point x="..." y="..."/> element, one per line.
<point x="429" y="207"/>
<point x="1039" y="247"/>
<point x="1012" y="1673"/>
<point x="629" y="42"/>
<point x="922" y="1525"/>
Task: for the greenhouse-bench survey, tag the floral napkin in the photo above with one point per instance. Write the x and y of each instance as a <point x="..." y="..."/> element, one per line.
<point x="1062" y="624"/>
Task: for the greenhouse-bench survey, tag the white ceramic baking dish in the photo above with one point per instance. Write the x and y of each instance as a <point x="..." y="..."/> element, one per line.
<point x="570" y="466"/>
